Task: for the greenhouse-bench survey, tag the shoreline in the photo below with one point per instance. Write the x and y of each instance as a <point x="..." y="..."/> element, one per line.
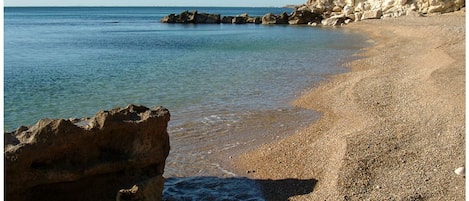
<point x="392" y="128"/>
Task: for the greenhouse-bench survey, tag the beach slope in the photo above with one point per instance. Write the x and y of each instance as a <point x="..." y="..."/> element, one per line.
<point x="393" y="128"/>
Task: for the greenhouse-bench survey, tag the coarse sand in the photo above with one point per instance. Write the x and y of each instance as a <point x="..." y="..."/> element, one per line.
<point x="393" y="128"/>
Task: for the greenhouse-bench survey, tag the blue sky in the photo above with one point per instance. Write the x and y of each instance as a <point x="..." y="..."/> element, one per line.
<point x="247" y="3"/>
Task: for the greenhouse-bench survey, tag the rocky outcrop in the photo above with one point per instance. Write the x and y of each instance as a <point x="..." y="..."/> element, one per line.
<point x="329" y="12"/>
<point x="356" y="10"/>
<point x="192" y="17"/>
<point x="303" y="17"/>
<point x="205" y="18"/>
<point x="271" y="18"/>
<point x="88" y="159"/>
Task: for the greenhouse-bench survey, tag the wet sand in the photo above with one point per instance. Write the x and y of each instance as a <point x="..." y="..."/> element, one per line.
<point x="392" y="129"/>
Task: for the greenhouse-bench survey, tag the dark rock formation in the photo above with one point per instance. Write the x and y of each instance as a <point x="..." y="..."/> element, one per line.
<point x="227" y="19"/>
<point x="270" y="18"/>
<point x="184" y="17"/>
<point x="239" y="20"/>
<point x="88" y="159"/>
<point x="205" y="18"/>
<point x="192" y="17"/>
<point x="304" y="17"/>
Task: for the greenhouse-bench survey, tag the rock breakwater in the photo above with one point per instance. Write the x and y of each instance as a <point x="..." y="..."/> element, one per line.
<point x="89" y="159"/>
<point x="328" y="12"/>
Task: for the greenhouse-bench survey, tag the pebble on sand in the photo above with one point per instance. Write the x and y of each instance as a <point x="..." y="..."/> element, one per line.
<point x="460" y="171"/>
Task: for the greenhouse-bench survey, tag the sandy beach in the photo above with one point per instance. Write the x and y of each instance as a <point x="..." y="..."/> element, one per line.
<point x="393" y="128"/>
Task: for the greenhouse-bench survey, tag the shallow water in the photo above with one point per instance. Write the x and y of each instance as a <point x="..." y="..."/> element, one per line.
<point x="228" y="87"/>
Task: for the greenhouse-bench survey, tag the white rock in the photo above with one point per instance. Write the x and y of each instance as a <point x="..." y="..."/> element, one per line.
<point x="358" y="17"/>
<point x="435" y="9"/>
<point x="367" y="6"/>
<point x="372" y="14"/>
<point x="351" y="16"/>
<point x="359" y="7"/>
<point x="402" y="2"/>
<point x="460" y="171"/>
<point x="337" y="9"/>
<point x="347" y="10"/>
<point x="387" y="4"/>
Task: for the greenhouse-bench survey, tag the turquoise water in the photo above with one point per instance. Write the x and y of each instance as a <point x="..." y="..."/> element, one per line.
<point x="228" y="87"/>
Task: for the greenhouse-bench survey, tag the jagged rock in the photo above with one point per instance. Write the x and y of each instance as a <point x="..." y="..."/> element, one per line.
<point x="89" y="159"/>
<point x="303" y="17"/>
<point x="239" y="20"/>
<point x="192" y="17"/>
<point x="184" y="17"/>
<point x="205" y="18"/>
<point x="244" y="15"/>
<point x="255" y="20"/>
<point x="318" y="11"/>
<point x="213" y="19"/>
<point x="270" y="18"/>
<point x="334" y="20"/>
<point x="389" y="8"/>
<point x="227" y="19"/>
<point x="371" y="14"/>
<point x="337" y="9"/>
<point x="358" y="16"/>
<point x="144" y="191"/>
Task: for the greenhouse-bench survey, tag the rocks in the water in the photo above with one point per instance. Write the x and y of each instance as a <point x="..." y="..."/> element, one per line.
<point x="271" y="18"/>
<point x="328" y="12"/>
<point x="192" y="17"/>
<point x="303" y="17"/>
<point x="205" y="18"/>
<point x="148" y="190"/>
<point x="89" y="159"/>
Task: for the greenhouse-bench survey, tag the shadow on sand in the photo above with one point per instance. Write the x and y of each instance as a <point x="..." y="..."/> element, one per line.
<point x="235" y="188"/>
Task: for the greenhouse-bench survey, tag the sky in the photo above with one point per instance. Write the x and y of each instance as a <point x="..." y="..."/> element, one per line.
<point x="241" y="3"/>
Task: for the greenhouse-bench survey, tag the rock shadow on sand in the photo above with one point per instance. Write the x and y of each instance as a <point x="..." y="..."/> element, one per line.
<point x="235" y="188"/>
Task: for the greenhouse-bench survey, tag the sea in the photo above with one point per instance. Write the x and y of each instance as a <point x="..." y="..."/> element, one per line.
<point x="228" y="87"/>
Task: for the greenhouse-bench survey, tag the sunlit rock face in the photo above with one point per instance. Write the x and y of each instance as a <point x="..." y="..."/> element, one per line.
<point x="380" y="8"/>
<point x="88" y="159"/>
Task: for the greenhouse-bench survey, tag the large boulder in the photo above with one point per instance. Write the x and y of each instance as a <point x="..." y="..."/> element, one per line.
<point x="270" y="18"/>
<point x="254" y="20"/>
<point x="334" y="20"/>
<point x="239" y="20"/>
<point x="88" y="159"/>
<point x="184" y="17"/>
<point x="371" y="14"/>
<point x="192" y="17"/>
<point x="227" y="19"/>
<point x="303" y="17"/>
<point x="206" y="18"/>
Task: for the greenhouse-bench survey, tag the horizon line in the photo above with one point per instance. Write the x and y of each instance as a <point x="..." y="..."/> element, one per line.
<point x="65" y="6"/>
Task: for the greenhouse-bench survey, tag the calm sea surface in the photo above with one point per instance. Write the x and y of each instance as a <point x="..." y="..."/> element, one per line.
<point x="228" y="87"/>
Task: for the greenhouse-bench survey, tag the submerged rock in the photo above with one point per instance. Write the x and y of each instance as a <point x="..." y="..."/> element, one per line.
<point x="89" y="159"/>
